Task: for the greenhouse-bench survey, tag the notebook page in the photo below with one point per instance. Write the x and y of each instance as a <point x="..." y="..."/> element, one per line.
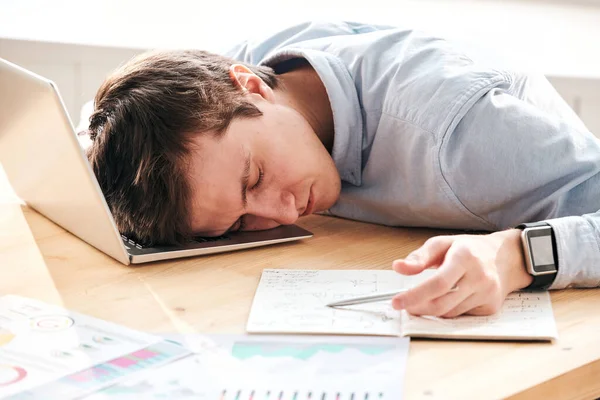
<point x="524" y="316"/>
<point x="294" y="301"/>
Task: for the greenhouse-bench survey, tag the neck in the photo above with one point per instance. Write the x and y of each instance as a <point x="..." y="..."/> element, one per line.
<point x="302" y="89"/>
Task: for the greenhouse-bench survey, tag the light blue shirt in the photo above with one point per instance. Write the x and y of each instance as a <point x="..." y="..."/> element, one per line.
<point x="430" y="135"/>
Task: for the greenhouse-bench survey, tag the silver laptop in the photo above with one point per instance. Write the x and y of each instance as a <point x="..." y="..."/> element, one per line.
<point x="47" y="167"/>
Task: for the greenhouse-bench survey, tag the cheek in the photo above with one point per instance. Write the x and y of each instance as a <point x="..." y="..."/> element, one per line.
<point x="292" y="161"/>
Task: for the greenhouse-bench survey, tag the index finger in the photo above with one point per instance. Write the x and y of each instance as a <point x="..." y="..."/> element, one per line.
<point x="446" y="278"/>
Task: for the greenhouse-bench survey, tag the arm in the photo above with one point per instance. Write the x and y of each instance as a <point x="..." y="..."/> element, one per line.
<point x="519" y="155"/>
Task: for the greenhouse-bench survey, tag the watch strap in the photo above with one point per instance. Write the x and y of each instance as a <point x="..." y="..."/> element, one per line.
<point x="533" y="225"/>
<point x="542" y="282"/>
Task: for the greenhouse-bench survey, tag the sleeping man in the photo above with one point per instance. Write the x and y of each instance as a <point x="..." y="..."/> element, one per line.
<point x="378" y="124"/>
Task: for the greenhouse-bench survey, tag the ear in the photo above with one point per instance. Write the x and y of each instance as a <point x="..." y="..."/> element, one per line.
<point x="249" y="82"/>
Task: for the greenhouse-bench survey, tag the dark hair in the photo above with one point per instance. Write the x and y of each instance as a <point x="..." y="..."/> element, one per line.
<point x="144" y="115"/>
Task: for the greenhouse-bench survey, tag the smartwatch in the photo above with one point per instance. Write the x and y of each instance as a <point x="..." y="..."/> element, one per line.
<point x="540" y="253"/>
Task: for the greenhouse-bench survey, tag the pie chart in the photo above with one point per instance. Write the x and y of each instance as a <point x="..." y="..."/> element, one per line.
<point x="10" y="374"/>
<point x="52" y="323"/>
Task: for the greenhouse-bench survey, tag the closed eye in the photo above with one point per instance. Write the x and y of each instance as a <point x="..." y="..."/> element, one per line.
<point x="260" y="179"/>
<point x="241" y="224"/>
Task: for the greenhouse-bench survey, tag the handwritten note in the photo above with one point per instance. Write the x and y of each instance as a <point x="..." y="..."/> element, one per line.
<point x="524" y="316"/>
<point x="294" y="301"/>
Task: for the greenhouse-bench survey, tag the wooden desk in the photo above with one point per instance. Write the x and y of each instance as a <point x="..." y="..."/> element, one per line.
<point x="213" y="294"/>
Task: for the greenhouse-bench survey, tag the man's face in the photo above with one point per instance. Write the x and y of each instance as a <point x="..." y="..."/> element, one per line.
<point x="263" y="172"/>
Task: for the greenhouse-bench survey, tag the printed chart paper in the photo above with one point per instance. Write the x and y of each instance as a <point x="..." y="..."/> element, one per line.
<point x="257" y="367"/>
<point x="49" y="352"/>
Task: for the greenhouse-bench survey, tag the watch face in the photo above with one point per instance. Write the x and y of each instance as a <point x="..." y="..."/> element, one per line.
<point x="541" y="249"/>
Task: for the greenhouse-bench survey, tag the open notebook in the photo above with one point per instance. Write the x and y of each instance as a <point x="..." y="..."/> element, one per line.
<point x="293" y="301"/>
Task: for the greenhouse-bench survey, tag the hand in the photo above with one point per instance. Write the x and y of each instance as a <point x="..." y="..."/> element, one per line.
<point x="485" y="268"/>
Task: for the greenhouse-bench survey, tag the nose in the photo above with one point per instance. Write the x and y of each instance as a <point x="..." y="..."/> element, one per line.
<point x="279" y="207"/>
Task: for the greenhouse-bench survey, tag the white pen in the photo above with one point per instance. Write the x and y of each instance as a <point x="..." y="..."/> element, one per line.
<point x="372" y="298"/>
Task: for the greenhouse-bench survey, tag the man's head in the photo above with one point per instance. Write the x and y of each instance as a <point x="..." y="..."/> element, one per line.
<point x="190" y="143"/>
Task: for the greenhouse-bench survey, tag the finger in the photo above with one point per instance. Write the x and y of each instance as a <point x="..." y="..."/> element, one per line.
<point x="488" y="308"/>
<point x="407" y="268"/>
<point x="445" y="303"/>
<point x="431" y="254"/>
<point x="449" y="273"/>
<point x="486" y="302"/>
<point x="465" y="306"/>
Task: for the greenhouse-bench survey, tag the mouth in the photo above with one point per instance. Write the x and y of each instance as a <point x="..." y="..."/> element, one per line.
<point x="310" y="205"/>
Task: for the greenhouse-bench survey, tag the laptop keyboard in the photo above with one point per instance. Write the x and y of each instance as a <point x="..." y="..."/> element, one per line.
<point x="130" y="242"/>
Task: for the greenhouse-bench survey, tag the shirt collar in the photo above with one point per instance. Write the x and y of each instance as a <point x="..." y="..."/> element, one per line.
<point x="347" y="115"/>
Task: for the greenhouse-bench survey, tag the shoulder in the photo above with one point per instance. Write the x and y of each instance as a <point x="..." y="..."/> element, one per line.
<point x="253" y="50"/>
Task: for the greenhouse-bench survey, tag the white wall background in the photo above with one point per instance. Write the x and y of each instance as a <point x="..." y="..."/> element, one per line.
<point x="76" y="43"/>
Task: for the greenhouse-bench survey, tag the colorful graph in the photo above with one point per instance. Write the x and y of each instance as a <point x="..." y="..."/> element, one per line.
<point x="301" y="351"/>
<point x="52" y="323"/>
<point x="113" y="369"/>
<point x="10" y="374"/>
<point x="106" y="373"/>
<point x="239" y="367"/>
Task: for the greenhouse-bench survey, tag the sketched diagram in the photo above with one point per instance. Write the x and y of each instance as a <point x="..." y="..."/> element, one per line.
<point x="51" y="323"/>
